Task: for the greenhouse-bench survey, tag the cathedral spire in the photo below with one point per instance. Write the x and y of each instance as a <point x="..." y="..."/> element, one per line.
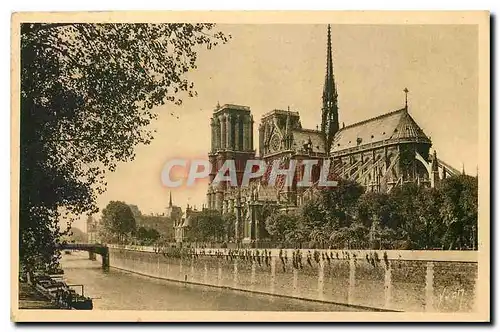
<point x="288" y="129"/>
<point x="330" y="116"/>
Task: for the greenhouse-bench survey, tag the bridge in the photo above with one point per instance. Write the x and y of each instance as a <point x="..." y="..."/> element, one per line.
<point x="92" y="248"/>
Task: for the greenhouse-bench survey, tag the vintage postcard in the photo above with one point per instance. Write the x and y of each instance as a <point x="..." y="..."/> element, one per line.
<point x="250" y="166"/>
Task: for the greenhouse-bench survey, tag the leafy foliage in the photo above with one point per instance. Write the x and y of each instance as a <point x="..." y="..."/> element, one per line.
<point x="162" y="224"/>
<point x="334" y="206"/>
<point x="331" y="211"/>
<point x="229" y="220"/>
<point x="206" y="225"/>
<point x="373" y="206"/>
<point x="282" y="226"/>
<point x="459" y="211"/>
<point x="87" y="94"/>
<point x="147" y="236"/>
<point x="429" y="225"/>
<point x="118" y="221"/>
<point x="409" y="217"/>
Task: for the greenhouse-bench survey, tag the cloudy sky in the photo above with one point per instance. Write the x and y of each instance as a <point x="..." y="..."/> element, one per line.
<point x="275" y="66"/>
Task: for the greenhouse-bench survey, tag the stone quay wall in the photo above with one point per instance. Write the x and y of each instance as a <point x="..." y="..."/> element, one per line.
<point x="400" y="280"/>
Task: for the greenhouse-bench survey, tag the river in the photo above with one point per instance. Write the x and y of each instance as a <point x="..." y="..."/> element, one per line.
<point x="120" y="290"/>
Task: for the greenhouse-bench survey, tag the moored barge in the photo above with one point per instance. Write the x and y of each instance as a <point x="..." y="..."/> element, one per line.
<point x="54" y="288"/>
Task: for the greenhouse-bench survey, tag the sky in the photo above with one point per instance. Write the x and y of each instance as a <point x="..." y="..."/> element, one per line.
<point x="270" y="67"/>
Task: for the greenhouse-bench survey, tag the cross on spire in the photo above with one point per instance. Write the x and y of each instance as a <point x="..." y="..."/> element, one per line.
<point x="406" y="97"/>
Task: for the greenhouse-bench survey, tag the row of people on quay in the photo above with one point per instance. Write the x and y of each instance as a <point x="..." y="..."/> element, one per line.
<point x="298" y="259"/>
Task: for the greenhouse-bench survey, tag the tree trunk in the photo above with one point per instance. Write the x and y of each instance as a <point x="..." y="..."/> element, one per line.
<point x="452" y="244"/>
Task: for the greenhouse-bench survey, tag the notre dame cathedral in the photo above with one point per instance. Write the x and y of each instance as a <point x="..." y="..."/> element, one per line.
<point x="379" y="153"/>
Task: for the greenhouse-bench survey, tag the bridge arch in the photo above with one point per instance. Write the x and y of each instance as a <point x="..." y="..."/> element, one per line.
<point x="92" y="249"/>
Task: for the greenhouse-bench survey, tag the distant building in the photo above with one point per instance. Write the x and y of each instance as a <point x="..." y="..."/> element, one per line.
<point x="92" y="230"/>
<point x="163" y="223"/>
<point x="185" y="224"/>
<point x="173" y="212"/>
<point x="158" y="222"/>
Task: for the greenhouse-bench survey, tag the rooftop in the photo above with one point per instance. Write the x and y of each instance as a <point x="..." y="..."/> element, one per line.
<point x="281" y="112"/>
<point x="232" y="107"/>
<point x="393" y="125"/>
<point x="302" y="137"/>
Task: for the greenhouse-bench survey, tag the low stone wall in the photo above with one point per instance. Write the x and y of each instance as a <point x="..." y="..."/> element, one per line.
<point x="436" y="281"/>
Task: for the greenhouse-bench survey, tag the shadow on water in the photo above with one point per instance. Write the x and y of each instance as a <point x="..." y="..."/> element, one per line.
<point x="120" y="290"/>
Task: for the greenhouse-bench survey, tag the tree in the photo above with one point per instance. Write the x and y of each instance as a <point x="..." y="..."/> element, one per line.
<point x="135" y="211"/>
<point x="379" y="213"/>
<point x="320" y="236"/>
<point x="229" y="220"/>
<point x="142" y="233"/>
<point x="87" y="98"/>
<point x="147" y="236"/>
<point x="375" y="207"/>
<point x="118" y="220"/>
<point x="429" y="222"/>
<point x="153" y="235"/>
<point x="340" y="201"/>
<point x="358" y="236"/>
<point x="295" y="236"/>
<point x="314" y="212"/>
<point x="339" y="238"/>
<point x="206" y="225"/>
<point x="282" y="226"/>
<point x="459" y="211"/>
<point x="330" y="210"/>
<point x="405" y="214"/>
<point x="267" y="209"/>
<point x="380" y="236"/>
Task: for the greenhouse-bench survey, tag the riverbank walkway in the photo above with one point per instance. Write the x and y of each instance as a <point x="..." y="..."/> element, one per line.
<point x="30" y="298"/>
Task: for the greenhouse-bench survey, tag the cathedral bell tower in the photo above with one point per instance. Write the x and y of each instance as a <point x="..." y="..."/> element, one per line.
<point x="231" y="139"/>
<point x="330" y="111"/>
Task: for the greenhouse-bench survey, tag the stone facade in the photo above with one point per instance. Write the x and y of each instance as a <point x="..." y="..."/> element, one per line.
<point x="379" y="153"/>
<point x="232" y="139"/>
<point x="413" y="281"/>
<point x="162" y="224"/>
<point x="185" y="224"/>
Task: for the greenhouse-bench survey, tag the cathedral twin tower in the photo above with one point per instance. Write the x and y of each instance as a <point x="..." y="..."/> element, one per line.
<point x="232" y="139"/>
<point x="232" y="129"/>
<point x="232" y="134"/>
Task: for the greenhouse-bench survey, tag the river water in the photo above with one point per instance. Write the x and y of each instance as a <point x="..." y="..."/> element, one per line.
<point x="120" y="290"/>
